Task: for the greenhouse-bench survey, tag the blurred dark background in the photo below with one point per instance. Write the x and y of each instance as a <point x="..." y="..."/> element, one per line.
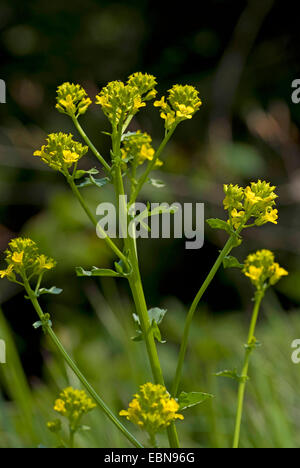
<point x="242" y="57"/>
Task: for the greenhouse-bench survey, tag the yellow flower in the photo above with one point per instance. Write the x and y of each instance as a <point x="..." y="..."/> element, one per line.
<point x="237" y="217"/>
<point x="161" y="103"/>
<point x="119" y="100"/>
<point x="277" y="272"/>
<point x="72" y="99"/>
<point x="45" y="263"/>
<point x="182" y="103"/>
<point x="270" y="216"/>
<point x="185" y="111"/>
<point x="250" y="196"/>
<point x="254" y="273"/>
<point x="137" y="148"/>
<point x="60" y="406"/>
<point x="70" y="157"/>
<point x="254" y="201"/>
<point x="23" y="258"/>
<point x="17" y="257"/>
<point x="61" y="152"/>
<point x="8" y="272"/>
<point x="152" y="409"/>
<point x="261" y="268"/>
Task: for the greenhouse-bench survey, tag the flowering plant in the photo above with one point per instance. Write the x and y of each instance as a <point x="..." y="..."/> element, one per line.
<point x="132" y="158"/>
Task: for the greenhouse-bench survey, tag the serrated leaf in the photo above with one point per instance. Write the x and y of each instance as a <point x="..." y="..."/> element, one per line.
<point x="216" y="223"/>
<point x="187" y="400"/>
<point x="53" y="290"/>
<point x="97" y="272"/>
<point x="232" y="262"/>
<point x="157" y="183"/>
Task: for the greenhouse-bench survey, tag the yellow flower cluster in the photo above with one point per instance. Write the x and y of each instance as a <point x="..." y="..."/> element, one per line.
<point x="61" y="152"/>
<point x="73" y="404"/>
<point x="182" y="103"/>
<point x="119" y="100"/>
<point x="24" y="259"/>
<point x="72" y="99"/>
<point x="255" y="201"/>
<point x="262" y="269"/>
<point x="152" y="409"/>
<point x="137" y="148"/>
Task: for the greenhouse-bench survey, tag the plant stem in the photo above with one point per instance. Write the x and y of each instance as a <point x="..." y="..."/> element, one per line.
<point x="109" y="242"/>
<point x="48" y="329"/>
<point x="90" y="144"/>
<point x="244" y="374"/>
<point x="151" y="164"/>
<point x="137" y="288"/>
<point x="183" y="347"/>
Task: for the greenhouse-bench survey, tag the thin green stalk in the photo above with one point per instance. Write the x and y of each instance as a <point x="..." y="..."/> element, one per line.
<point x="90" y="144"/>
<point x="107" y="239"/>
<point x="48" y="329"/>
<point x="183" y="347"/>
<point x="244" y="374"/>
<point x="151" y="165"/>
<point x="138" y="292"/>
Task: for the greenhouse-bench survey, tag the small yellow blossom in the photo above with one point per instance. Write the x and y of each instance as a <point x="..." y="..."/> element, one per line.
<point x="45" y="263"/>
<point x="137" y="148"/>
<point x="70" y="157"/>
<point x="182" y="103"/>
<point x="262" y="270"/>
<point x="8" y="273"/>
<point x="277" y="272"/>
<point x="72" y="99"/>
<point x="237" y="218"/>
<point x="121" y="100"/>
<point x="23" y="258"/>
<point x="61" y="152"/>
<point x="152" y="409"/>
<point x="17" y="257"/>
<point x="254" y="201"/>
<point x="60" y="406"/>
<point x="73" y="404"/>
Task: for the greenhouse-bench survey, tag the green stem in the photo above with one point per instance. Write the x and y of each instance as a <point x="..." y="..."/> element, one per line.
<point x="107" y="239"/>
<point x="90" y="144"/>
<point x="137" y="289"/>
<point x="226" y="250"/>
<point x="73" y="366"/>
<point x="244" y="374"/>
<point x="151" y="164"/>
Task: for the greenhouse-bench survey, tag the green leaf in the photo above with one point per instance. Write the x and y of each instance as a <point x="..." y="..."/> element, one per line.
<point x="157" y="333"/>
<point x="230" y="374"/>
<point x="97" y="272"/>
<point x="187" y="400"/>
<point x="232" y="262"/>
<point x="53" y="290"/>
<point x="156" y="314"/>
<point x="81" y="173"/>
<point x="216" y="223"/>
<point x="88" y="181"/>
<point x="127" y="134"/>
<point x="157" y="183"/>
